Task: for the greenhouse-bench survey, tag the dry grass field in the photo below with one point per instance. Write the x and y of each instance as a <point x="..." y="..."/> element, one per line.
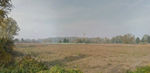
<point x="90" y="58"/>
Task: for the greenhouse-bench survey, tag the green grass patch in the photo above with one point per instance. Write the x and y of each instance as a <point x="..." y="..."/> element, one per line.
<point x="145" y="69"/>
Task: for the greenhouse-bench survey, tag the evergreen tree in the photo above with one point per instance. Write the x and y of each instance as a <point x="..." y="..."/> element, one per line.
<point x="137" y="40"/>
<point x="65" y="40"/>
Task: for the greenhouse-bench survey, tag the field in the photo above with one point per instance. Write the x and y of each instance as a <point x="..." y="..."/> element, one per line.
<point x="89" y="58"/>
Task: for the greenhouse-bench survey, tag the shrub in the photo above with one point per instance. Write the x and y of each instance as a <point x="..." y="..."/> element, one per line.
<point x="5" y="58"/>
<point x="25" y="65"/>
<point x="7" y="44"/>
<point x="29" y="65"/>
<point x="5" y="51"/>
<point x="38" y="69"/>
<point x="145" y="69"/>
<point x="58" y="69"/>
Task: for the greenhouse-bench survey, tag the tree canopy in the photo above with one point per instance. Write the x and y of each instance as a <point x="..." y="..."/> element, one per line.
<point x="8" y="26"/>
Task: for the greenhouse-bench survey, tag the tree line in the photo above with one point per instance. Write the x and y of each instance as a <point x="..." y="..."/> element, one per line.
<point x="120" y="39"/>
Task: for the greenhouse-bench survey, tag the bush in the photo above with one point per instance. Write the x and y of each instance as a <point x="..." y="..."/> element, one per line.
<point x="5" y="58"/>
<point x="6" y="46"/>
<point x="58" y="69"/>
<point x="32" y="66"/>
<point x="29" y="65"/>
<point x="145" y="69"/>
<point x="25" y="65"/>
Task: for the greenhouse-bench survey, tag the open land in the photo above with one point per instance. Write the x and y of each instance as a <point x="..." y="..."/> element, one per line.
<point x="90" y="58"/>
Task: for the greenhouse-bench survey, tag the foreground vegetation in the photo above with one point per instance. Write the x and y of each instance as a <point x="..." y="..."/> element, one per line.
<point x="145" y="69"/>
<point x="30" y="65"/>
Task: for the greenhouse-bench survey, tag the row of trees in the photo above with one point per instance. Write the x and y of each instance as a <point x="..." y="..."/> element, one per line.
<point x="121" y="39"/>
<point x="131" y="39"/>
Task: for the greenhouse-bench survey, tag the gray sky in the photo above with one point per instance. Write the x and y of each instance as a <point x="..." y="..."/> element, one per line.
<point x="94" y="18"/>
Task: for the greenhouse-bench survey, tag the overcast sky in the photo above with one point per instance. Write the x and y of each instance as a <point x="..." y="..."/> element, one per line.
<point x="94" y="18"/>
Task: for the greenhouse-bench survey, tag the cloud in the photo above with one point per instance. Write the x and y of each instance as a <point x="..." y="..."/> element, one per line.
<point x="49" y="18"/>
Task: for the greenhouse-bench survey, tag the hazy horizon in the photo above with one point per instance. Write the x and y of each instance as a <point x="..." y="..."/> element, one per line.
<point x="92" y="18"/>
